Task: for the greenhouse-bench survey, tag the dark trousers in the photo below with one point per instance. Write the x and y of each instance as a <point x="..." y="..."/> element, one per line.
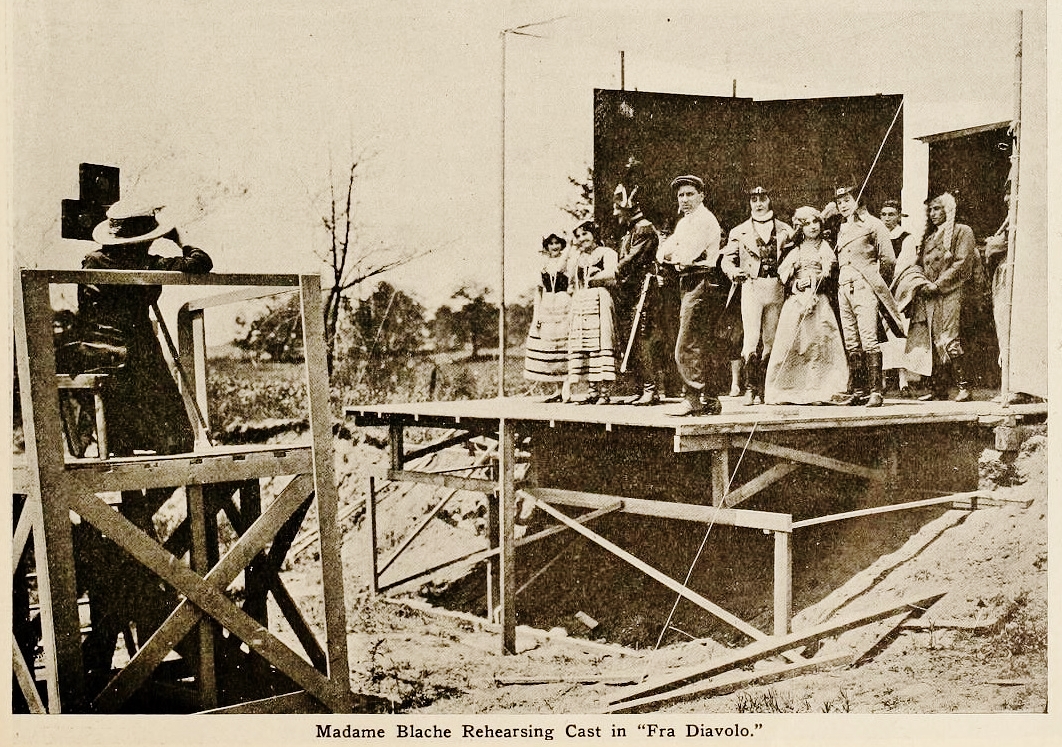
<point x="702" y="302"/>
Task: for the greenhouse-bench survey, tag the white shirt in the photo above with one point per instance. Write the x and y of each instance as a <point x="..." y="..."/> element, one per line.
<point x="697" y="233"/>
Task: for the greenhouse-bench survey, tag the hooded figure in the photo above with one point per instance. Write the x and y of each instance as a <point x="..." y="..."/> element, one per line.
<point x="934" y="287"/>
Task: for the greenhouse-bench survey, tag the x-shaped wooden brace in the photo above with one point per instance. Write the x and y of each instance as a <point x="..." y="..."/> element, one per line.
<point x="23" y="672"/>
<point x="204" y="595"/>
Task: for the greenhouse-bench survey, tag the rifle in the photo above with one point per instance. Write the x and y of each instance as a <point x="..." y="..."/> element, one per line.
<point x="637" y="320"/>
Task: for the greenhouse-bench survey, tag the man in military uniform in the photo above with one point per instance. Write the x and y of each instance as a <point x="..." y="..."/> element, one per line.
<point x="638" y="295"/>
<point x="863" y="248"/>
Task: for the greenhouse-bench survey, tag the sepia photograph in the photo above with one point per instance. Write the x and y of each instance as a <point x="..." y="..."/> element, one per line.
<point x="530" y="371"/>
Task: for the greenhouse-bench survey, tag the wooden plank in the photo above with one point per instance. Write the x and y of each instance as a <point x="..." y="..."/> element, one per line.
<point x="653" y="573"/>
<point x="296" y="702"/>
<point x="396" y="439"/>
<point x="590" y="678"/>
<point x="26" y="683"/>
<point x="431" y="448"/>
<point x="191" y="342"/>
<point x="473" y="484"/>
<point x="490" y="552"/>
<point x="421" y="526"/>
<point x="298" y="624"/>
<point x="187" y="469"/>
<point x="730" y="682"/>
<point x="783" y="582"/>
<point x="755" y="485"/>
<point x="52" y="532"/>
<point x="200" y="562"/>
<point x="159" y="277"/>
<point x="373" y="550"/>
<point x="507" y="560"/>
<point x="237" y="296"/>
<point x="816" y="460"/>
<point x="208" y="598"/>
<point x="22" y="532"/>
<point x="183" y="618"/>
<point x="766" y="520"/>
<point x="763" y="649"/>
<point x="939" y="500"/>
<point x="317" y="387"/>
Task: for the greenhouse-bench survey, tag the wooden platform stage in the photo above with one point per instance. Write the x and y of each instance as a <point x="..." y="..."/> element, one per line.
<point x="640" y="460"/>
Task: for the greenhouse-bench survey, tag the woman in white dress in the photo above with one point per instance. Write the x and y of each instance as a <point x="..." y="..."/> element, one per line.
<point x="546" y="349"/>
<point x="808" y="363"/>
<point x="592" y="331"/>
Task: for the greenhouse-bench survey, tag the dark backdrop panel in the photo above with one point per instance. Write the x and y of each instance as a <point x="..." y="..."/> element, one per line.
<point x="975" y="168"/>
<point x="799" y="148"/>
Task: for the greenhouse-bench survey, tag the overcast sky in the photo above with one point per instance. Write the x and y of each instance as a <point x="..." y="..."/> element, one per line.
<point x="233" y="112"/>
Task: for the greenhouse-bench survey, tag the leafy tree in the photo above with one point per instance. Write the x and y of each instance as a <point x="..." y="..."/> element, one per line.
<point x="475" y="318"/>
<point x="582" y="206"/>
<point x="274" y="334"/>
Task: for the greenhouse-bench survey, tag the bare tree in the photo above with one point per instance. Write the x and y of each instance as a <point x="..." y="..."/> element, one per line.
<point x="351" y="262"/>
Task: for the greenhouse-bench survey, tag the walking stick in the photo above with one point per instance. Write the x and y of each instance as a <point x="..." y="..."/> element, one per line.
<point x="639" y="309"/>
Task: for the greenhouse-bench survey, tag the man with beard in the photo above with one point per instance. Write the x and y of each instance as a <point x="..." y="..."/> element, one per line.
<point x="638" y="295"/>
<point x="752" y="256"/>
<point x="693" y="251"/>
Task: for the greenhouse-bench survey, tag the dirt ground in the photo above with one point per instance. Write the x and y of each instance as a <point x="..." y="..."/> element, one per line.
<point x="983" y="648"/>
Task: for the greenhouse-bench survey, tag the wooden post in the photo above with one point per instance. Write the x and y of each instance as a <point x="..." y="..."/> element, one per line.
<point x="370" y="511"/>
<point x="398" y="457"/>
<point x="191" y="342"/>
<point x="783" y="582"/>
<point x="201" y="564"/>
<point x="720" y="474"/>
<point x="507" y="499"/>
<point x="324" y="480"/>
<point x="52" y="533"/>
<point x="493" y="563"/>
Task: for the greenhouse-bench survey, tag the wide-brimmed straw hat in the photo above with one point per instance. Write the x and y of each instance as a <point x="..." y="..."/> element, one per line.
<point x="131" y="223"/>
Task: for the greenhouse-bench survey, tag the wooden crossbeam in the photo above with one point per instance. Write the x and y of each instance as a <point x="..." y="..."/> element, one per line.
<point x="298" y="623"/>
<point x="653" y="573"/>
<point x="755" y="485"/>
<point x="766" y="520"/>
<point x="939" y="500"/>
<point x="432" y="448"/>
<point x="807" y="457"/>
<point x="135" y="473"/>
<point x="158" y="277"/>
<point x="22" y="533"/>
<point x="26" y="683"/>
<point x="184" y="617"/>
<point x="763" y="649"/>
<point x="421" y="526"/>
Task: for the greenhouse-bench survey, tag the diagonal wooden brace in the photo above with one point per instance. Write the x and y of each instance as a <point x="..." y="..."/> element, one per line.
<point x="817" y="460"/>
<point x="205" y="597"/>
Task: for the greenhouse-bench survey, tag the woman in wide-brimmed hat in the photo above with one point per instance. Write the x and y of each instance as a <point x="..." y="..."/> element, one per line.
<point x="546" y="349"/>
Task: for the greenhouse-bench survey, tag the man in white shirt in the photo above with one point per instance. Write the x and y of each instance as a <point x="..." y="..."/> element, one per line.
<point x="693" y="251"/>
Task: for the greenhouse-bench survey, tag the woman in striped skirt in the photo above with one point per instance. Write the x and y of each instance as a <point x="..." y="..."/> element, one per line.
<point x="546" y="349"/>
<point x="592" y="332"/>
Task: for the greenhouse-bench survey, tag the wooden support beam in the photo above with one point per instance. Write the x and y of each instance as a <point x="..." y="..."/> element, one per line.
<point x="200" y="562"/>
<point x="506" y="546"/>
<point x="302" y="630"/>
<point x="191" y="342"/>
<point x="245" y="294"/>
<point x="52" y="531"/>
<point x="296" y="702"/>
<point x="373" y="550"/>
<point x="764" y="649"/>
<point x="939" y="500"/>
<point x="224" y="465"/>
<point x="159" y="277"/>
<point x="331" y="540"/>
<point x="473" y="484"/>
<point x="816" y="460"/>
<point x="184" y="617"/>
<point x="23" y="527"/>
<point x="396" y="439"/>
<point x="26" y="684"/>
<point x="730" y="682"/>
<point x="765" y="520"/>
<point x="720" y="476"/>
<point x="432" y="448"/>
<point x="783" y="582"/>
<point x="653" y="573"/>
<point x="770" y="476"/>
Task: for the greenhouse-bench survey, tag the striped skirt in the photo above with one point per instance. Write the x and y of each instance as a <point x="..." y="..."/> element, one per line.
<point x="592" y="336"/>
<point x="546" y="348"/>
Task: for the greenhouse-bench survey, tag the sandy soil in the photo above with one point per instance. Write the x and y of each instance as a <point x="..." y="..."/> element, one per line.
<point x="981" y="649"/>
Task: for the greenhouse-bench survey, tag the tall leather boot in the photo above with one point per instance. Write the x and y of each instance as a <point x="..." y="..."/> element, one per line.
<point x="752" y="366"/>
<point x="857" y="368"/>
<point x="873" y="369"/>
<point x="761" y="378"/>
<point x="961" y="381"/>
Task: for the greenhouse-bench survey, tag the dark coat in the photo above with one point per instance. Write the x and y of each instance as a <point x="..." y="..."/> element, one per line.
<point x="142" y="403"/>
